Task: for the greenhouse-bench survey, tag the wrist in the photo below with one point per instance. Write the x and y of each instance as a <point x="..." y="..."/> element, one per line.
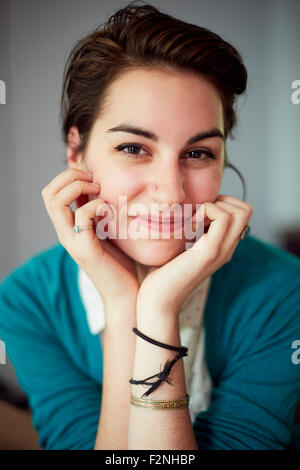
<point x="161" y="325"/>
<point x="166" y="307"/>
<point x="153" y="311"/>
<point x="120" y="316"/>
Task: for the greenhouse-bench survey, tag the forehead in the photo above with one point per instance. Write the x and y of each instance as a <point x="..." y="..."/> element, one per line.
<point x="152" y="87"/>
<point x="164" y="101"/>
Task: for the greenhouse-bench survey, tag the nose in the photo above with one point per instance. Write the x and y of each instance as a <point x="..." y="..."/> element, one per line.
<point x="169" y="182"/>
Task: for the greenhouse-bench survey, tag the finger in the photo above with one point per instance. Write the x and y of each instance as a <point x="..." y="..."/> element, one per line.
<point x="236" y="202"/>
<point x="68" y="194"/>
<point x="237" y="212"/>
<point x="238" y="220"/>
<point x="217" y="229"/>
<point x="64" y="178"/>
<point x="85" y="215"/>
<point x="87" y="242"/>
<point x="59" y="211"/>
<point x="91" y="239"/>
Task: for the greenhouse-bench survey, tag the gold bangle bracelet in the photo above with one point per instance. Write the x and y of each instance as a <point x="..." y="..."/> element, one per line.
<point x="160" y="404"/>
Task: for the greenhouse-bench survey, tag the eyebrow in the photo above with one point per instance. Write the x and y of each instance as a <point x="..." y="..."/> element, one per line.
<point x="149" y="135"/>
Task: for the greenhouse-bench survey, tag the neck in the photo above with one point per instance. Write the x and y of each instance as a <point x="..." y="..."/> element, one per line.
<point x="142" y="271"/>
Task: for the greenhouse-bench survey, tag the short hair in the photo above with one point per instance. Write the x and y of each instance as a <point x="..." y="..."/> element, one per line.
<point x="142" y="36"/>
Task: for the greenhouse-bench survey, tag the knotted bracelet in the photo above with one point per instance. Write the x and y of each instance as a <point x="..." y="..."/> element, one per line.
<point x="163" y="375"/>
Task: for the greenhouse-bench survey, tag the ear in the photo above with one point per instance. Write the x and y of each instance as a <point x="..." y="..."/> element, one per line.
<point x="74" y="158"/>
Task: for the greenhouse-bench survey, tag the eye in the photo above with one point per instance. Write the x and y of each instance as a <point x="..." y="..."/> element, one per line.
<point x="134" y="154"/>
<point x="201" y="151"/>
<point x="121" y="148"/>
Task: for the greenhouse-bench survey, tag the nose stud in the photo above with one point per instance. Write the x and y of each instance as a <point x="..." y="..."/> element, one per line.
<point x="155" y="187"/>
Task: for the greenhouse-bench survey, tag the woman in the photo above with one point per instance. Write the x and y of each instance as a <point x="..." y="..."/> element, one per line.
<point x="147" y="106"/>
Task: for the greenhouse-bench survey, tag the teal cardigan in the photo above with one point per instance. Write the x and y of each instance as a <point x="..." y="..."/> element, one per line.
<point x="251" y="318"/>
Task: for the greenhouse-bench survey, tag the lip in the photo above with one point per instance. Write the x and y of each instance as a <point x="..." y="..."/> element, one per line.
<point x="161" y="220"/>
<point x="162" y="225"/>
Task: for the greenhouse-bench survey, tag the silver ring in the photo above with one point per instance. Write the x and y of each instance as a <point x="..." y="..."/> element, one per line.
<point x="245" y="232"/>
<point x="79" y="228"/>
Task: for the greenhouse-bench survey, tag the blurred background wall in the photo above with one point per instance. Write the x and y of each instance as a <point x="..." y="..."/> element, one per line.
<point x="35" y="39"/>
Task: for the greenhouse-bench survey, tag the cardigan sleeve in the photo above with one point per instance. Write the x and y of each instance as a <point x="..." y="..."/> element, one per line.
<point x="65" y="402"/>
<point x="254" y="401"/>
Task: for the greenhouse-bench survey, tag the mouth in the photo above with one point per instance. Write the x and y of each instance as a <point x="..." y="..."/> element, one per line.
<point x="164" y="224"/>
<point x="161" y="220"/>
<point x="160" y="224"/>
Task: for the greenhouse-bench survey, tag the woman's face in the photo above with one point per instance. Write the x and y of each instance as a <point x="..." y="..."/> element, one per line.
<point x="172" y="107"/>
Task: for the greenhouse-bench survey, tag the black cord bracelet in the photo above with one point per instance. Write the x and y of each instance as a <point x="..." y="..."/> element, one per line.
<point x="163" y="375"/>
<point x="162" y="345"/>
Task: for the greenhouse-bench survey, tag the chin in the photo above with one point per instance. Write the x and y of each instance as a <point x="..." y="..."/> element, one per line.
<point x="151" y="252"/>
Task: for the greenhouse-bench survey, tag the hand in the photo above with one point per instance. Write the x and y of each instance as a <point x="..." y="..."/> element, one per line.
<point x="111" y="271"/>
<point x="166" y="288"/>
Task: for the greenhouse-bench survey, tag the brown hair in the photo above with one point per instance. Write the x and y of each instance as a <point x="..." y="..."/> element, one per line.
<point x="143" y="36"/>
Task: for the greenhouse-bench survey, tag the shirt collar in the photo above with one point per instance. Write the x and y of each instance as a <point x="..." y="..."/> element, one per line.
<point x="191" y="312"/>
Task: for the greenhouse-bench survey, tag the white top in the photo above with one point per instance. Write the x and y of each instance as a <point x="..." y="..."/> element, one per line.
<point x="192" y="335"/>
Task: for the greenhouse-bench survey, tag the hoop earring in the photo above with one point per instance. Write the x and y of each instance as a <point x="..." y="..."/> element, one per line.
<point x="229" y="165"/>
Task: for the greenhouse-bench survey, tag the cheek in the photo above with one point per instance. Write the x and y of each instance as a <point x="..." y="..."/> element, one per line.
<point x="116" y="183"/>
<point x="204" y="186"/>
<point x="119" y="182"/>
